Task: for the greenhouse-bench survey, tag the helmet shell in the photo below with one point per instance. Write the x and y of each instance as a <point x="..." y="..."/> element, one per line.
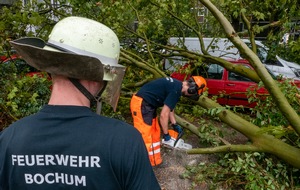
<point x="201" y="83"/>
<point x="84" y="36"/>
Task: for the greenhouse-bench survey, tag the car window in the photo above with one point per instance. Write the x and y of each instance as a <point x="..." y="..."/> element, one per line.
<point x="215" y="71"/>
<point x="236" y="77"/>
<point x="262" y="53"/>
<point x="212" y="71"/>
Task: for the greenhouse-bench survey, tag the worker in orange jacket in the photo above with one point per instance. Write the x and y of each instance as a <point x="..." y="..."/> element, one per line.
<point x="165" y="93"/>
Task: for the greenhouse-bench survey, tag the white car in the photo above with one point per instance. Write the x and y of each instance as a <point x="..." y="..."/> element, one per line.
<point x="285" y="68"/>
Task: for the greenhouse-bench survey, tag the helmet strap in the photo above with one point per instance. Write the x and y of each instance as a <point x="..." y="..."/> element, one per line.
<point x="98" y="99"/>
<point x="94" y="100"/>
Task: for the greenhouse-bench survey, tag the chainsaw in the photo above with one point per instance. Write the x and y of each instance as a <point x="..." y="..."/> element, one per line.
<point x="179" y="143"/>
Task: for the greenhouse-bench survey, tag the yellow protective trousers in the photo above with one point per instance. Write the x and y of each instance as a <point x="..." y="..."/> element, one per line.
<point x="150" y="133"/>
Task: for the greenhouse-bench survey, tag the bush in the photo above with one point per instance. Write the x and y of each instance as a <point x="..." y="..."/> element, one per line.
<point x="20" y="95"/>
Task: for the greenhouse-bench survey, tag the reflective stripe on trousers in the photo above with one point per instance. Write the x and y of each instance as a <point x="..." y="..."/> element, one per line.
<point x="150" y="133"/>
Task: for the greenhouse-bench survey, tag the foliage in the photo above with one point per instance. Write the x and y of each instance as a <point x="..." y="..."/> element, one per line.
<point x="291" y="51"/>
<point x="20" y="95"/>
<point x="18" y="21"/>
<point x="244" y="171"/>
<point x="270" y="119"/>
<point x="289" y="42"/>
<point x="210" y="133"/>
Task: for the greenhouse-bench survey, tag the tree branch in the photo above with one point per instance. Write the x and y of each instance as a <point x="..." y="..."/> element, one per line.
<point x="225" y="148"/>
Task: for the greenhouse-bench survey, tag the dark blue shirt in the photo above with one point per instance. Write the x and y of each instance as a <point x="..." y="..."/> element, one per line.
<point x="71" y="147"/>
<point x="161" y="91"/>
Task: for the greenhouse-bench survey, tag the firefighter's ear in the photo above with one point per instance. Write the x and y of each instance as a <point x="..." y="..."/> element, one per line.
<point x="192" y="89"/>
<point x="192" y="86"/>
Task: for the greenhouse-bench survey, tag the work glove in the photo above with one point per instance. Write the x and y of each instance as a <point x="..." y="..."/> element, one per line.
<point x="166" y="137"/>
<point x="177" y="128"/>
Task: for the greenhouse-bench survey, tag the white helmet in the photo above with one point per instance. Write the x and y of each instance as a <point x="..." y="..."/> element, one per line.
<point x="78" y="48"/>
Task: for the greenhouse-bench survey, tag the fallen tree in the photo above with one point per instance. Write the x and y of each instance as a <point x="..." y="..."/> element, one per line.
<point x="260" y="142"/>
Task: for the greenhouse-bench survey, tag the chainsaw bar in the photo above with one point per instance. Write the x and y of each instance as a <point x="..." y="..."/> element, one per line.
<point x="182" y="145"/>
